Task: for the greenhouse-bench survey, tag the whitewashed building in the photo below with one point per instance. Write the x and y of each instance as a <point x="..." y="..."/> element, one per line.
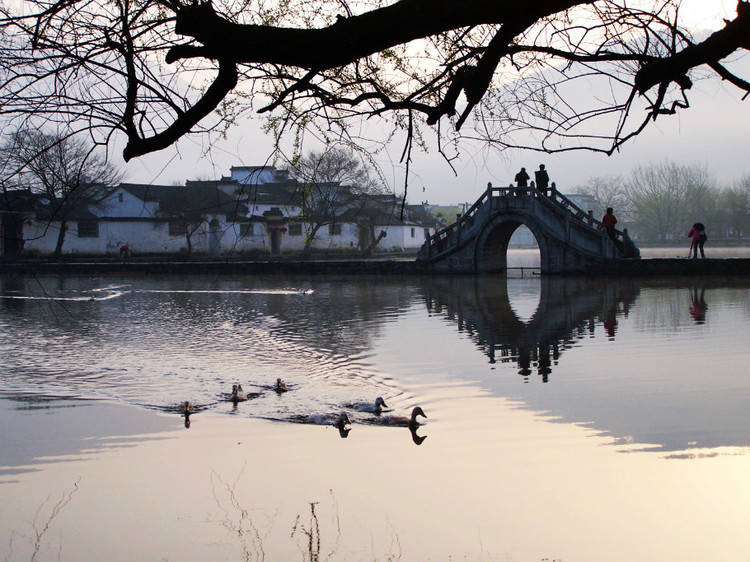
<point x="255" y="209"/>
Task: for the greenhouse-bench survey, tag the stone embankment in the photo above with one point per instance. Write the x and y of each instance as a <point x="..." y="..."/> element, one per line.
<point x="620" y="268"/>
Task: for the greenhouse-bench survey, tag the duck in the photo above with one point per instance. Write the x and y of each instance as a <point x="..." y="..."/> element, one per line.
<point x="339" y="421"/>
<point x="376" y="408"/>
<point x="186" y="408"/>
<point x="238" y="395"/>
<point x="403" y="421"/>
<point x="281" y="386"/>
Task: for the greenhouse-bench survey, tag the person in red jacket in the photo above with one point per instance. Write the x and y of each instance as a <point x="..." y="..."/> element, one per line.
<point x="698" y="235"/>
<point x="609" y="221"/>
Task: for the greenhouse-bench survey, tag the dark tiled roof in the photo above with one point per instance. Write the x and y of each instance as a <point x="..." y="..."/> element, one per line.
<point x="194" y="198"/>
<point x="19" y="201"/>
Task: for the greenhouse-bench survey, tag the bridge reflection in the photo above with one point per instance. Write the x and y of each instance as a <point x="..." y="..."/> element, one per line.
<point x="569" y="309"/>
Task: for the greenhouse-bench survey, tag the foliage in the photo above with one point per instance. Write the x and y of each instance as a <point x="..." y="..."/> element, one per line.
<point x="333" y="181"/>
<point x="659" y="202"/>
<point x="65" y="169"/>
<point x="553" y="75"/>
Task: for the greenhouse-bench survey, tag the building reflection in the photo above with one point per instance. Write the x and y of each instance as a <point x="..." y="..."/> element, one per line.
<point x="569" y="309"/>
<point x="12" y="288"/>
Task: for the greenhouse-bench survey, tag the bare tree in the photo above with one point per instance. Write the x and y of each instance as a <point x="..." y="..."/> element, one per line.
<point x="67" y="171"/>
<point x="333" y="181"/>
<point x="608" y="191"/>
<point x="552" y="75"/>
<point x="666" y="197"/>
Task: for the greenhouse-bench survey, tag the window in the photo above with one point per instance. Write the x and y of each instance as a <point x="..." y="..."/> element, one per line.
<point x="177" y="228"/>
<point x="334" y="229"/>
<point x="247" y="229"/>
<point x="412" y="233"/>
<point x="88" y="229"/>
<point x="120" y="197"/>
<point x="295" y="229"/>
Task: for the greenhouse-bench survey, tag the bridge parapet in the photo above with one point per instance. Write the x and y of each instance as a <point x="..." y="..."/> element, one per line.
<point x="569" y="238"/>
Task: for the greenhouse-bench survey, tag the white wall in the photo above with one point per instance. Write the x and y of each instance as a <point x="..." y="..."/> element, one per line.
<point x="398" y="237"/>
<point x="254" y="174"/>
<point x="130" y="206"/>
<point x="152" y="236"/>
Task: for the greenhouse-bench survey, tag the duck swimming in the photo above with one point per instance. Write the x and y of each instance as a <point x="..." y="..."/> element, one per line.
<point x="403" y="421"/>
<point x="337" y="420"/>
<point x="376" y="408"/>
<point x="238" y="395"/>
<point x="281" y="386"/>
<point x="186" y="408"/>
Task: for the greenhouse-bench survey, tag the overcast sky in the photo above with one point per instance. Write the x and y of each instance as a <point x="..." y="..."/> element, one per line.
<point x="713" y="132"/>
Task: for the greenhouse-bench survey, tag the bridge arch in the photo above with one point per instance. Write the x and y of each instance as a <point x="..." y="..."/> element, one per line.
<point x="569" y="239"/>
<point x="491" y="247"/>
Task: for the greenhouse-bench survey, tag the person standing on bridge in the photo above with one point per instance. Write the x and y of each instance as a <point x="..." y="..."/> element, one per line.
<point x="542" y="179"/>
<point x="609" y="220"/>
<point x="522" y="178"/>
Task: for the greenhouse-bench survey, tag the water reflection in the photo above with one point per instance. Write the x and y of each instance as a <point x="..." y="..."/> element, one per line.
<point x="647" y="367"/>
<point x="39" y="429"/>
<point x="418" y="439"/>
<point x="568" y="310"/>
<point x="638" y="361"/>
<point x="698" y="305"/>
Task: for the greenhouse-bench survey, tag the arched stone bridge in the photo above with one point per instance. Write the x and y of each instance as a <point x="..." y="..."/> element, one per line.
<point x="570" y="240"/>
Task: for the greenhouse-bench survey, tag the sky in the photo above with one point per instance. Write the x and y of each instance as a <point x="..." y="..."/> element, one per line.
<point x="711" y="133"/>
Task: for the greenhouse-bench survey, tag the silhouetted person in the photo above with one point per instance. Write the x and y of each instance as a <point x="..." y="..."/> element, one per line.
<point x="698" y="235"/>
<point x="124" y="252"/>
<point x="698" y="306"/>
<point x="522" y="178"/>
<point x="542" y="179"/>
<point x="609" y="220"/>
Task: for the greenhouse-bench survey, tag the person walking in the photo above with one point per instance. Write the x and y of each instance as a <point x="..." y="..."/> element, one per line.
<point x="522" y="178"/>
<point x="542" y="179"/>
<point x="698" y="235"/>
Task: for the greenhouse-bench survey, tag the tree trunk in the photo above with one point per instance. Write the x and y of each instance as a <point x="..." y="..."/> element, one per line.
<point x="310" y="237"/>
<point x="367" y="251"/>
<point x="60" y="238"/>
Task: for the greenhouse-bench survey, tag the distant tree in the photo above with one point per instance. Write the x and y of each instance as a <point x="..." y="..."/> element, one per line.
<point x="333" y="181"/>
<point x="665" y="198"/>
<point x="66" y="170"/>
<point x="608" y="191"/>
<point x="734" y="205"/>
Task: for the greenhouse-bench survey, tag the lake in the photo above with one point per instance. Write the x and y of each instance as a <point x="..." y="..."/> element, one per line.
<point x="567" y="419"/>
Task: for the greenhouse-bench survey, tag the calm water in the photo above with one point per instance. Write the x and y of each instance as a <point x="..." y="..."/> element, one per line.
<point x="569" y="419"/>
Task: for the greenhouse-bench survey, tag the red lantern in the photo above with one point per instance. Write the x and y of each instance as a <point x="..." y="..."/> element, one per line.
<point x="28" y="222"/>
